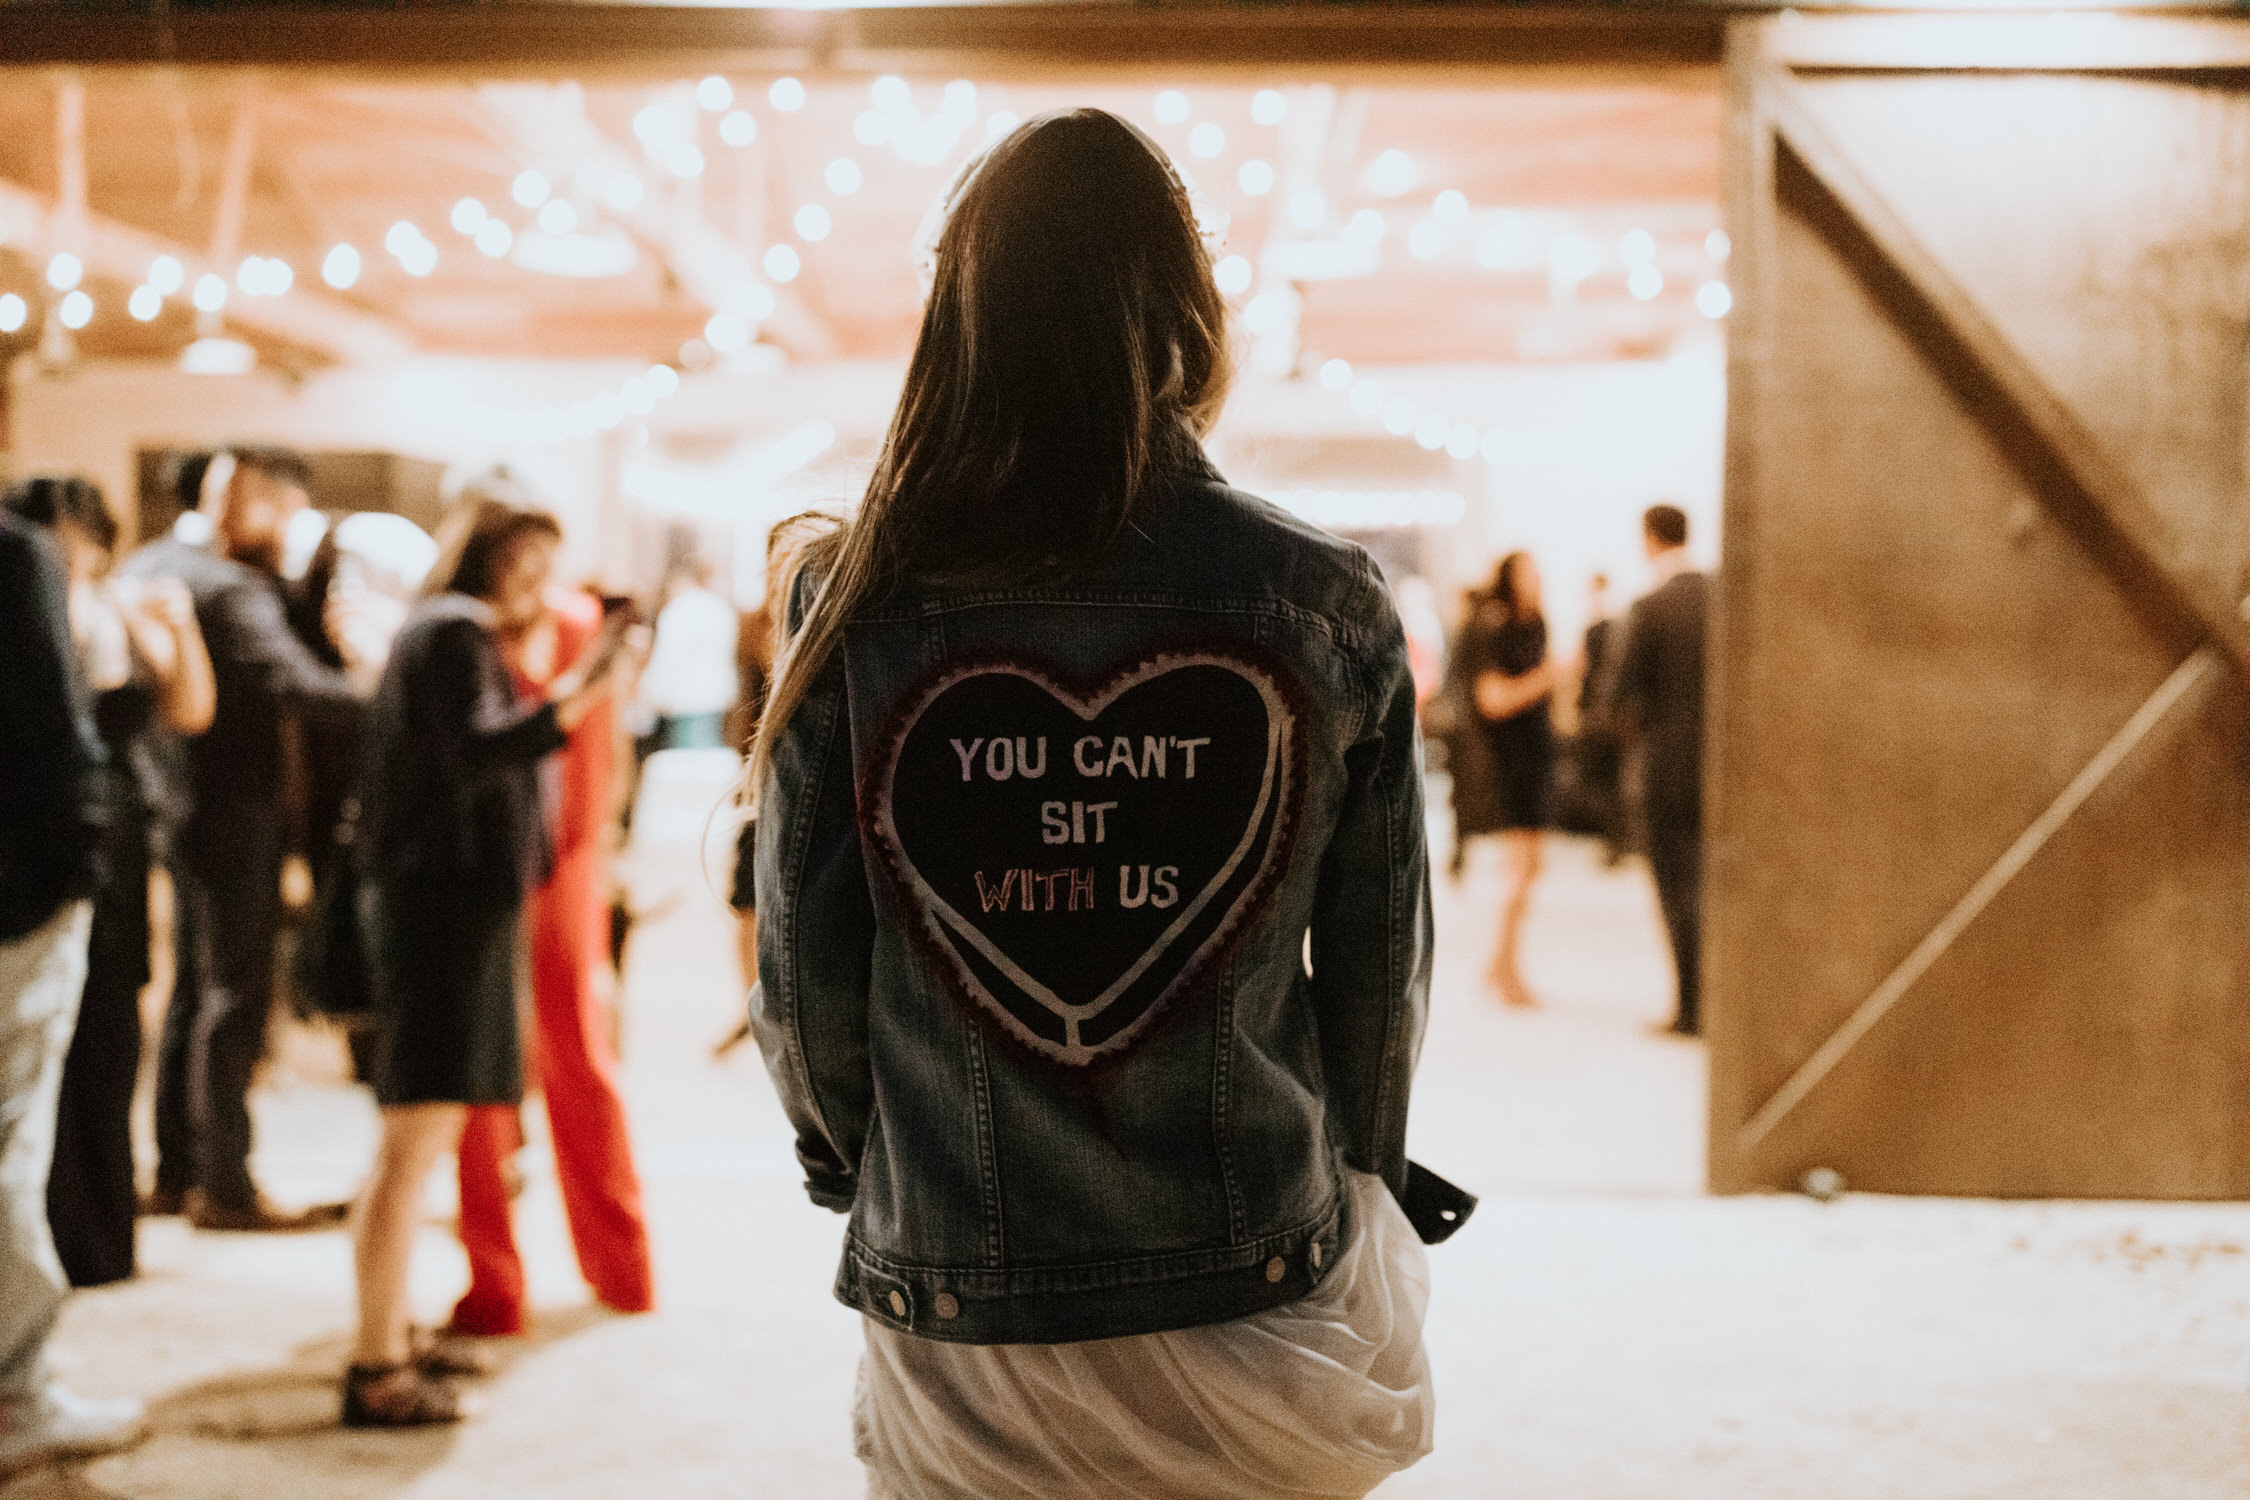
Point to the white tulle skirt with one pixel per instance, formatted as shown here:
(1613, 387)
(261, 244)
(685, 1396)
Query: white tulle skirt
(1326, 1396)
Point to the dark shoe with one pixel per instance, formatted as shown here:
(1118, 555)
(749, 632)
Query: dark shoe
(401, 1395)
(161, 1202)
(261, 1217)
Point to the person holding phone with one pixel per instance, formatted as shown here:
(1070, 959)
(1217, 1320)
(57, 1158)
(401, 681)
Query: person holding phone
(452, 839)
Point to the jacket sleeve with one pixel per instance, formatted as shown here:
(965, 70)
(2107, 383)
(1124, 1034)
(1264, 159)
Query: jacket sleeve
(48, 752)
(489, 731)
(1631, 679)
(246, 624)
(816, 934)
(1370, 980)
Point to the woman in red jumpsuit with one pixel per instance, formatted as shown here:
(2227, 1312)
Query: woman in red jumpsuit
(566, 923)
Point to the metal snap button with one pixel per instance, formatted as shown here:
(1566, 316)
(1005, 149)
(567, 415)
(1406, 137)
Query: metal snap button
(1316, 1255)
(1275, 1269)
(898, 1304)
(947, 1306)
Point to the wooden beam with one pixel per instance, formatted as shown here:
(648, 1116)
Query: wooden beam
(2071, 469)
(2059, 41)
(603, 35)
(120, 252)
(2176, 701)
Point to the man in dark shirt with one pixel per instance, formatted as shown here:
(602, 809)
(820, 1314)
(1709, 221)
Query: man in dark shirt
(1659, 701)
(226, 854)
(49, 829)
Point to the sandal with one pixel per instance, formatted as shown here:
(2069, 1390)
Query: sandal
(400, 1395)
(444, 1353)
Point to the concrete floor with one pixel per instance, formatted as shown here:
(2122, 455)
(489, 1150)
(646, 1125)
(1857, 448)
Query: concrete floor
(1602, 1331)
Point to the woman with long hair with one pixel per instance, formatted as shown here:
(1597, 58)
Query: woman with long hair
(451, 840)
(1505, 656)
(1094, 939)
(144, 659)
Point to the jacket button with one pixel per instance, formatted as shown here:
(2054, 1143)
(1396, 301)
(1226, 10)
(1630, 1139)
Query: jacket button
(898, 1304)
(947, 1307)
(1275, 1269)
(1316, 1255)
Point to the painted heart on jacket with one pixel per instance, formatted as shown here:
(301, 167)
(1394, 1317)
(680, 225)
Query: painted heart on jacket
(1074, 859)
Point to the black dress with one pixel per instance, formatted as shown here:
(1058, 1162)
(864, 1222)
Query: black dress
(91, 1196)
(1521, 747)
(453, 834)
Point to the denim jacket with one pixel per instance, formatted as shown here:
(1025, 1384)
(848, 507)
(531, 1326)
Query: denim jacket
(1094, 930)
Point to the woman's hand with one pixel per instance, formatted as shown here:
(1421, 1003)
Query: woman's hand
(1499, 696)
(160, 614)
(606, 673)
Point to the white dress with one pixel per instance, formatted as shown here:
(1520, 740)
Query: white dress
(1325, 1396)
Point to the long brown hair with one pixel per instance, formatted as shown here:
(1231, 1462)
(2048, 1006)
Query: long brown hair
(477, 540)
(1073, 341)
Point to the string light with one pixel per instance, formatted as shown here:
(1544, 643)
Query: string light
(531, 187)
(781, 263)
(1336, 375)
(738, 128)
(77, 310)
(494, 238)
(340, 270)
(1644, 282)
(624, 192)
(1717, 245)
(1233, 275)
(210, 293)
(65, 271)
(166, 275)
(1713, 299)
(842, 176)
(1391, 175)
(1255, 177)
(786, 95)
(1171, 107)
(812, 222)
(714, 93)
(13, 311)
(1206, 140)
(468, 216)
(1451, 207)
(145, 303)
(1268, 107)
(558, 216)
(1637, 247)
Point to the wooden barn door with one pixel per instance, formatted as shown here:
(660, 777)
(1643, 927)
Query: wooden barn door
(1977, 890)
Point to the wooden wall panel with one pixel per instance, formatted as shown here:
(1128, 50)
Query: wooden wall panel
(2113, 249)
(1921, 642)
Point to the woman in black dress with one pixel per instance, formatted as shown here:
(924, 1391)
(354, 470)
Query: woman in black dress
(1514, 684)
(145, 660)
(452, 837)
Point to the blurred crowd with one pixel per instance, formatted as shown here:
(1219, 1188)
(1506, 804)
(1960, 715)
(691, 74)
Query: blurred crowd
(380, 775)
(1628, 772)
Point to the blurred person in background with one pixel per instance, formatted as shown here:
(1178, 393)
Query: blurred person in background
(1451, 718)
(691, 681)
(226, 857)
(1125, 1212)
(1597, 758)
(452, 839)
(50, 833)
(1658, 701)
(144, 663)
(1513, 688)
(754, 657)
(571, 1060)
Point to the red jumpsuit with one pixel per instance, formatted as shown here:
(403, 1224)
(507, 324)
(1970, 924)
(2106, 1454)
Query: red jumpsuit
(566, 922)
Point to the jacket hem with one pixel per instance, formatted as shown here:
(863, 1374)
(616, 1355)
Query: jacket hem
(1070, 1304)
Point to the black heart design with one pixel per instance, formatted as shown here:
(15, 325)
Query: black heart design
(1074, 859)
